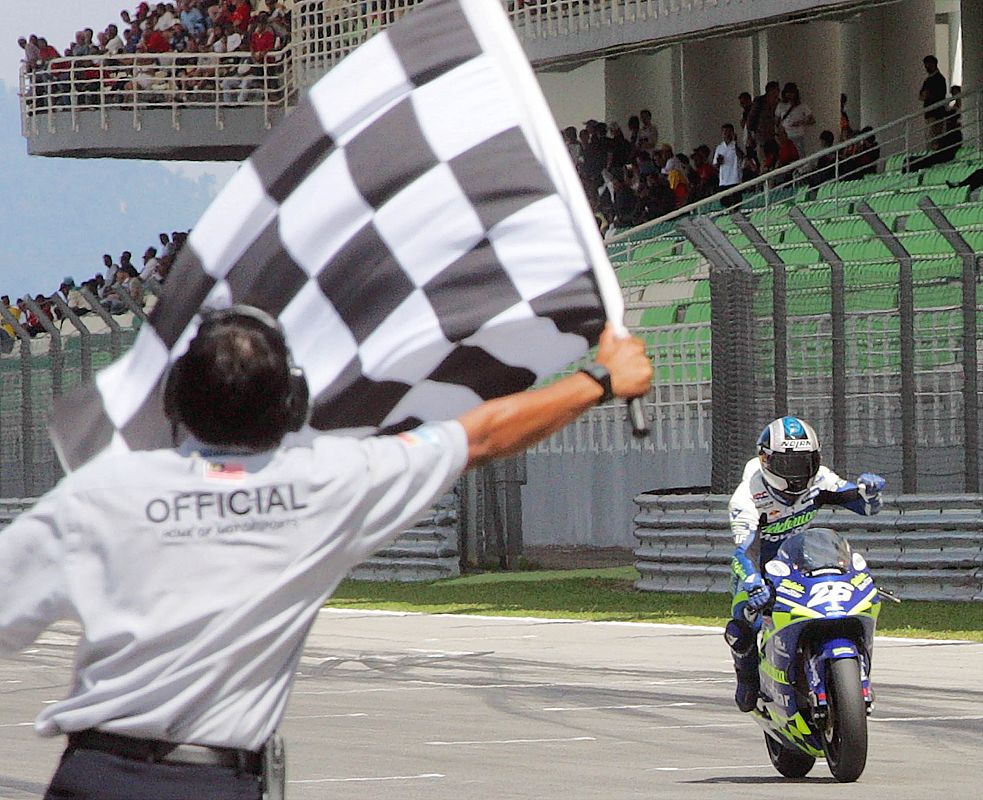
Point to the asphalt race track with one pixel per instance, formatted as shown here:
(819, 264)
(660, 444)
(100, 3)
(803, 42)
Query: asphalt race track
(451, 708)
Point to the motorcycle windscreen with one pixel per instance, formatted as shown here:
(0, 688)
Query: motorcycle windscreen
(816, 549)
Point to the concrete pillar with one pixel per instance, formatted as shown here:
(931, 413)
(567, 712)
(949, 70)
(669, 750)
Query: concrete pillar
(851, 40)
(575, 96)
(971, 18)
(893, 39)
(715, 72)
(644, 80)
(808, 54)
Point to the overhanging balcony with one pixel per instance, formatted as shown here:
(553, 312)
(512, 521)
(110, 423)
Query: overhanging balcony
(220, 107)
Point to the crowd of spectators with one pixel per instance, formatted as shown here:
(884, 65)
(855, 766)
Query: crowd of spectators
(630, 177)
(116, 288)
(177, 34)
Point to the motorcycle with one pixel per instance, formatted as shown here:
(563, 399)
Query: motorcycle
(817, 637)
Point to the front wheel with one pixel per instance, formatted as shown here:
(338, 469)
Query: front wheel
(845, 732)
(789, 761)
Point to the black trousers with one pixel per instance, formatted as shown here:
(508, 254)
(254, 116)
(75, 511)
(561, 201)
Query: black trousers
(95, 775)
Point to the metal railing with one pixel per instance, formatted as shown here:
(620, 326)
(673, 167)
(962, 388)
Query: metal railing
(64, 88)
(923, 548)
(907, 140)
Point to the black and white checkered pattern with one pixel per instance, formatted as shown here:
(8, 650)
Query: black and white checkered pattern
(415, 225)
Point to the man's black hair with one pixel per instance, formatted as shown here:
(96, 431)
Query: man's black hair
(232, 386)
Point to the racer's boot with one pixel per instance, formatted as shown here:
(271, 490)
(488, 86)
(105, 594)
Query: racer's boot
(743, 643)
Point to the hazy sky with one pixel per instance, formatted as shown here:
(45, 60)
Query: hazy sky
(57, 21)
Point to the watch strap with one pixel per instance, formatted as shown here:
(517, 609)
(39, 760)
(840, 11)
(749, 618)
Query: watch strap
(599, 373)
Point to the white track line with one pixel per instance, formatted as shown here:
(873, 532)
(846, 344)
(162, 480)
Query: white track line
(693, 769)
(518, 741)
(922, 719)
(422, 776)
(617, 708)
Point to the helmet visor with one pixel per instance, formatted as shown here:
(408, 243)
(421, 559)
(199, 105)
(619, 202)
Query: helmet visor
(796, 468)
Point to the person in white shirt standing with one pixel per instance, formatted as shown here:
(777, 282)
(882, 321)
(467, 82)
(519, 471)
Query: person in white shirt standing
(727, 159)
(196, 572)
(795, 117)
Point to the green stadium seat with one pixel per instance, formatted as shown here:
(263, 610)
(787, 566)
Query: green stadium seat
(697, 312)
(659, 315)
(701, 290)
(925, 244)
(969, 216)
(798, 255)
(947, 196)
(817, 277)
(942, 268)
(869, 274)
(808, 303)
(825, 209)
(938, 296)
(794, 235)
(870, 250)
(841, 230)
(879, 299)
(937, 176)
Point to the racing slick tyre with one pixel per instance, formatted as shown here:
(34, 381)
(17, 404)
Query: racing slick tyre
(845, 732)
(788, 761)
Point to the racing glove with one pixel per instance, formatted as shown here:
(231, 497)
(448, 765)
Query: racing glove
(870, 487)
(758, 591)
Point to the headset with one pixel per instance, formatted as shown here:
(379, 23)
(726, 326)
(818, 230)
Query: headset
(297, 397)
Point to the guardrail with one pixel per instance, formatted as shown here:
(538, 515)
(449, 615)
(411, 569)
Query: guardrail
(137, 83)
(921, 547)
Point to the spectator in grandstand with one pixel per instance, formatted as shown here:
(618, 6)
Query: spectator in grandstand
(618, 148)
(132, 39)
(113, 45)
(669, 161)
(788, 153)
(32, 52)
(795, 117)
(7, 334)
(127, 284)
(745, 100)
(150, 264)
(761, 117)
(655, 198)
(933, 91)
(165, 17)
(634, 128)
(192, 18)
(825, 169)
(648, 133)
(241, 14)
(727, 160)
(73, 298)
(845, 130)
(29, 319)
(111, 268)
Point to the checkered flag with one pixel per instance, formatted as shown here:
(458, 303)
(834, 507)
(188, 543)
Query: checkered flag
(415, 224)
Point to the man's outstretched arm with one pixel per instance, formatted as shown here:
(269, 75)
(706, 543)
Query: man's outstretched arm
(510, 424)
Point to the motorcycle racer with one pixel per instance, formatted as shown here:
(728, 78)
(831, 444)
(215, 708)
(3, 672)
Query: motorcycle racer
(780, 493)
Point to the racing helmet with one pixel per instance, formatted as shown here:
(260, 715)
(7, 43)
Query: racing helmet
(789, 453)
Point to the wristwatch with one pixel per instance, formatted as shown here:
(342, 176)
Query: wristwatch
(600, 374)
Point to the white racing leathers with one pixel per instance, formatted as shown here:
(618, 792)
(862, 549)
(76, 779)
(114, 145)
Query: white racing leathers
(762, 517)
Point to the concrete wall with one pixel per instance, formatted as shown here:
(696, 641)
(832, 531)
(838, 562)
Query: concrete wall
(873, 56)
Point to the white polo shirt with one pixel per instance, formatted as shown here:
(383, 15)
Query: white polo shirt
(196, 577)
(729, 172)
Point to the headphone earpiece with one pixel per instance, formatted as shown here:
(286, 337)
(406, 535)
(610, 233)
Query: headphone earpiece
(298, 399)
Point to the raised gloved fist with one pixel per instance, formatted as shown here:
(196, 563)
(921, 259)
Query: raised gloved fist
(758, 591)
(812, 493)
(871, 484)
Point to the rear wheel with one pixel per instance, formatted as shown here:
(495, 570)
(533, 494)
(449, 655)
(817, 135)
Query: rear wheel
(789, 761)
(845, 732)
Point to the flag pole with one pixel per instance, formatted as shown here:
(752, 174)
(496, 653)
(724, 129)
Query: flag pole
(492, 27)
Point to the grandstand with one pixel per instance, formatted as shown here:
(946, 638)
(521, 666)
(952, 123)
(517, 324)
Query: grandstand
(831, 333)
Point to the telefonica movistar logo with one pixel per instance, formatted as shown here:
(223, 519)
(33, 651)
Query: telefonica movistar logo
(784, 525)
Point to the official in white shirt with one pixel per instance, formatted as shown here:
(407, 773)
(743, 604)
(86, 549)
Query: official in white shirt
(197, 572)
(727, 159)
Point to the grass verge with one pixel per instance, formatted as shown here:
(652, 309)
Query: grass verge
(609, 594)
